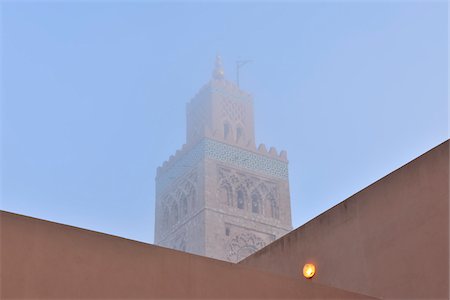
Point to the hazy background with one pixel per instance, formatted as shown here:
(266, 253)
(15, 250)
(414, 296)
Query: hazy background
(93, 97)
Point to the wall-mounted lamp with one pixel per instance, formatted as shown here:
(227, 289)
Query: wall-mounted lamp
(309, 270)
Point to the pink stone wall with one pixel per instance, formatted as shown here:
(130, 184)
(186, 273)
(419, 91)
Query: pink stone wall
(44, 260)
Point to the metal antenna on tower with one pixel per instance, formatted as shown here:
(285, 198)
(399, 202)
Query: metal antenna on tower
(240, 64)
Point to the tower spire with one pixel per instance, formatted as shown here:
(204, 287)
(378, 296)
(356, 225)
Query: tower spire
(218, 69)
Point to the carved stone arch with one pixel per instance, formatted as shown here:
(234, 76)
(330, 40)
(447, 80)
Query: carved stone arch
(188, 185)
(256, 202)
(223, 174)
(165, 218)
(234, 180)
(263, 189)
(191, 195)
(272, 202)
(183, 204)
(178, 193)
(192, 198)
(243, 245)
(250, 182)
(174, 214)
(225, 192)
(274, 191)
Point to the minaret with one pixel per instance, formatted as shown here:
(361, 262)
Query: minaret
(219, 195)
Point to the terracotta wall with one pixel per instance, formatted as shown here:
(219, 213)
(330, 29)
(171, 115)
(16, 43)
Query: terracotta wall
(44, 260)
(390, 240)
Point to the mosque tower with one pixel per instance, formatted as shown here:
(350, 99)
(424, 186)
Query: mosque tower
(220, 196)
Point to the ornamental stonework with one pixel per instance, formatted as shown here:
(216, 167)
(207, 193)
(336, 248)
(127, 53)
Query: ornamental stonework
(247, 192)
(233, 110)
(243, 245)
(178, 203)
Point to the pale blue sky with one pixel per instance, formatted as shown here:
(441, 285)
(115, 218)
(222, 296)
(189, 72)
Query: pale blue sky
(93, 97)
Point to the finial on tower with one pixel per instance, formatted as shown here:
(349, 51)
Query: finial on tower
(218, 69)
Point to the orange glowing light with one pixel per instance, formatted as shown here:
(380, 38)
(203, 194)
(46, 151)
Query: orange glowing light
(309, 270)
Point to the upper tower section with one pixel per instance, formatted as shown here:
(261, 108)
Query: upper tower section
(221, 111)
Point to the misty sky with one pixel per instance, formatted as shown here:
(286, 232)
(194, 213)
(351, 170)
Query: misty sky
(94, 93)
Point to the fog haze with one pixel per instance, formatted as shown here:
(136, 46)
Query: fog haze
(94, 97)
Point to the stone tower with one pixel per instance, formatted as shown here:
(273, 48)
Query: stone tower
(219, 195)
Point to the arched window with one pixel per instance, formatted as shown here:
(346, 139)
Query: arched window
(273, 206)
(226, 130)
(239, 133)
(165, 220)
(190, 195)
(240, 199)
(225, 194)
(174, 214)
(256, 206)
(192, 198)
(275, 211)
(184, 205)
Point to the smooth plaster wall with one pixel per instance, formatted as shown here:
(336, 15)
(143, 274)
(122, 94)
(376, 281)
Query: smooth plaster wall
(390, 240)
(40, 259)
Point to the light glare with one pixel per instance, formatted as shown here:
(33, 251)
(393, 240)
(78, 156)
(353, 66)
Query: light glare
(309, 270)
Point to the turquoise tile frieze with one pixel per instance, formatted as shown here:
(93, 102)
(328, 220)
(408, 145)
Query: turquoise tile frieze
(245, 159)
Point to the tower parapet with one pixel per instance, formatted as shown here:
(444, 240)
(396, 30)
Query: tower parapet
(262, 150)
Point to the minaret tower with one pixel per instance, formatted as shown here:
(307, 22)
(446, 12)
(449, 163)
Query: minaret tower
(219, 195)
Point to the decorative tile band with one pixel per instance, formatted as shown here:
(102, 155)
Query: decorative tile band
(245, 159)
(224, 153)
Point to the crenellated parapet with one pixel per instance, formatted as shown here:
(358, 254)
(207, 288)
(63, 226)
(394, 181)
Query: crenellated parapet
(262, 149)
(180, 153)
